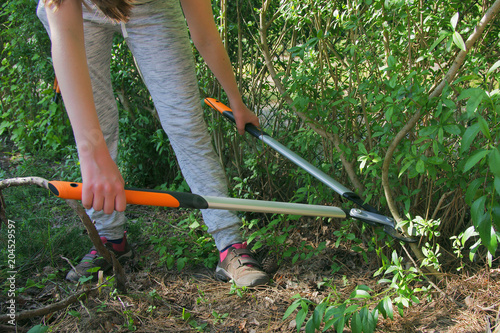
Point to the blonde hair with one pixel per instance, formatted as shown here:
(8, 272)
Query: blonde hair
(118, 10)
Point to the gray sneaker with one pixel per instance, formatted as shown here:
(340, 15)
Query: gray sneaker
(242, 268)
(122, 251)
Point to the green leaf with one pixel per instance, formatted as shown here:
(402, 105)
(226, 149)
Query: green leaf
(477, 211)
(470, 194)
(74, 313)
(317, 316)
(475, 96)
(39, 329)
(84, 279)
(470, 232)
(439, 40)
(334, 311)
(340, 324)
(360, 294)
(452, 129)
(496, 182)
(372, 320)
(494, 161)
(356, 326)
(483, 125)
(310, 326)
(494, 67)
(454, 20)
(475, 158)
(435, 160)
(301, 316)
(391, 61)
(364, 287)
(469, 137)
(457, 39)
(290, 309)
(487, 233)
(420, 167)
(405, 167)
(387, 304)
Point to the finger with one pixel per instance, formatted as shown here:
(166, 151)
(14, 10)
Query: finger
(110, 194)
(109, 205)
(98, 201)
(256, 122)
(120, 202)
(241, 129)
(87, 198)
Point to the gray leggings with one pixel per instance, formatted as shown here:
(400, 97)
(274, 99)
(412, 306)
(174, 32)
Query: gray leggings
(157, 37)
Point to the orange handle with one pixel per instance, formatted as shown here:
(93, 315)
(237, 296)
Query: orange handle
(228, 113)
(215, 104)
(71, 190)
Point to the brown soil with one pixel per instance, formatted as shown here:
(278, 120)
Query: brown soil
(190, 300)
(159, 300)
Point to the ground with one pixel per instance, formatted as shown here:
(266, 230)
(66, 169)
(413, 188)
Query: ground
(188, 298)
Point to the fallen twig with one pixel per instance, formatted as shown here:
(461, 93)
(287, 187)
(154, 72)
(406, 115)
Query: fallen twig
(49, 308)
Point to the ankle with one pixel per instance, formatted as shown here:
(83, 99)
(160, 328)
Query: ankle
(225, 251)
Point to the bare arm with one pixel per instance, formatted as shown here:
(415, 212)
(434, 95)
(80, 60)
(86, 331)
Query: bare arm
(206, 38)
(102, 181)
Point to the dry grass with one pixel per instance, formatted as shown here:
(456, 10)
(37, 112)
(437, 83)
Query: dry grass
(159, 300)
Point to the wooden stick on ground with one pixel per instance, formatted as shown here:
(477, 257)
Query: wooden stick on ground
(49, 308)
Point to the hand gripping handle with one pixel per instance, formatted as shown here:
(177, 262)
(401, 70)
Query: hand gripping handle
(228, 113)
(72, 190)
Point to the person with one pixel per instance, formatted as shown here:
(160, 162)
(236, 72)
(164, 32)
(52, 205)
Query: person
(156, 33)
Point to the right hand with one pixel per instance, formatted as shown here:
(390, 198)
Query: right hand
(103, 184)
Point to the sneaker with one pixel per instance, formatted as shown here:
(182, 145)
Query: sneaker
(239, 266)
(122, 251)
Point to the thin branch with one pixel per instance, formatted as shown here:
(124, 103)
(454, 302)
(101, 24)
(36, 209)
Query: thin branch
(101, 249)
(348, 166)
